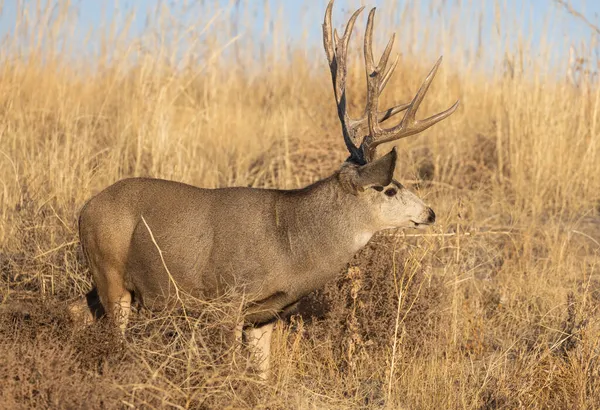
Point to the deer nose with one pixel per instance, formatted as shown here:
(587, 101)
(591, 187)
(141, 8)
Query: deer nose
(430, 216)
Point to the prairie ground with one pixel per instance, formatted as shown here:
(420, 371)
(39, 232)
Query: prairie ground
(497, 306)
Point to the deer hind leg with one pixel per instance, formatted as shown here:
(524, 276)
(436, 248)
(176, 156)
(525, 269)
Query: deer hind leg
(114, 296)
(119, 305)
(259, 339)
(85, 309)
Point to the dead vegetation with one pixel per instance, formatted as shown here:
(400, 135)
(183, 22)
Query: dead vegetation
(495, 307)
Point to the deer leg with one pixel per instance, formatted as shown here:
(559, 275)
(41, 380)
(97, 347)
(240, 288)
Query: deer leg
(85, 309)
(121, 307)
(239, 334)
(80, 313)
(114, 297)
(238, 340)
(259, 339)
(116, 300)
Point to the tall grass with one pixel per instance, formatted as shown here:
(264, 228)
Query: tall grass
(497, 306)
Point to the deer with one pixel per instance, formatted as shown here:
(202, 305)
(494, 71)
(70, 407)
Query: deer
(149, 237)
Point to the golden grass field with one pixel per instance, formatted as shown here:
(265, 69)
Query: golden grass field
(497, 306)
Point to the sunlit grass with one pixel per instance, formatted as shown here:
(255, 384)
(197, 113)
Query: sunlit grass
(500, 299)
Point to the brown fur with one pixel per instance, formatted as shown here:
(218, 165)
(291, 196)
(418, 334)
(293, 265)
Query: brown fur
(273, 246)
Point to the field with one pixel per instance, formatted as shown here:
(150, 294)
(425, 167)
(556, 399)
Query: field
(496, 306)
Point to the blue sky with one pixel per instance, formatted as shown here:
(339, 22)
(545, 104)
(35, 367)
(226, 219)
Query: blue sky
(544, 20)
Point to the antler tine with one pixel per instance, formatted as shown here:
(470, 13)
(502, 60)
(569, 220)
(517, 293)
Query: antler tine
(374, 81)
(327, 35)
(390, 112)
(409, 125)
(336, 50)
(369, 61)
(388, 74)
(336, 38)
(373, 71)
(409, 116)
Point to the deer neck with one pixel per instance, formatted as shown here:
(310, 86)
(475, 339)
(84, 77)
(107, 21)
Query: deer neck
(325, 221)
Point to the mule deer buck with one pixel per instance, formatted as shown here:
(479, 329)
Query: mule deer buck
(150, 236)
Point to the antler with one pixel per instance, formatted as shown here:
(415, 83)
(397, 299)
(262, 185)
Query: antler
(362, 147)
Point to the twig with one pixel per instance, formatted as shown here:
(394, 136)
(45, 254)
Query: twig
(55, 249)
(162, 259)
(578, 15)
(394, 346)
(425, 183)
(439, 235)
(172, 280)
(587, 236)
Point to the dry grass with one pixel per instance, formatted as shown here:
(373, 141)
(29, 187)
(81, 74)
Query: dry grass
(495, 307)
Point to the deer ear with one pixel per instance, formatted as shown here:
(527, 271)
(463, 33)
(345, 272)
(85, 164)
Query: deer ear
(377, 173)
(356, 179)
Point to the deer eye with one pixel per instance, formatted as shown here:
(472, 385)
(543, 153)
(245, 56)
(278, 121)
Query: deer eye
(391, 191)
(378, 188)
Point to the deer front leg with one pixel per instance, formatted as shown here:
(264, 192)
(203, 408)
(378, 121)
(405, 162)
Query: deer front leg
(259, 338)
(238, 334)
(238, 341)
